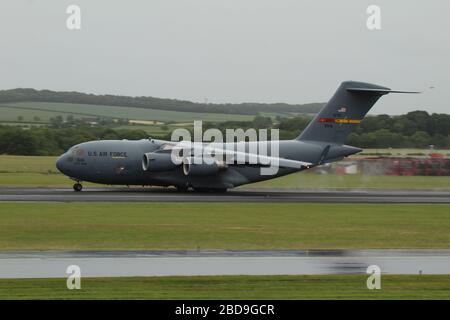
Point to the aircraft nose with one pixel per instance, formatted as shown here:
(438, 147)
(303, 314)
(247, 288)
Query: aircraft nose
(60, 163)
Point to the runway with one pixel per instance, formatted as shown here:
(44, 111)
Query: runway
(236, 195)
(193, 263)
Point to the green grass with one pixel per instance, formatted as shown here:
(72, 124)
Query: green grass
(47, 110)
(314, 181)
(232, 287)
(31, 171)
(27, 164)
(28, 171)
(24, 124)
(401, 152)
(10, 114)
(38, 180)
(155, 130)
(90, 226)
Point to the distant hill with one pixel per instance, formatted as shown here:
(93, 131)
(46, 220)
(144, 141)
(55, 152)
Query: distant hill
(32, 95)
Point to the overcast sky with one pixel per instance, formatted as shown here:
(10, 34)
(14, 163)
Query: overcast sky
(291, 51)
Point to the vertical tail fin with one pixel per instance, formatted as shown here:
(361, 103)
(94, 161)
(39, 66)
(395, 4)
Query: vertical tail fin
(345, 110)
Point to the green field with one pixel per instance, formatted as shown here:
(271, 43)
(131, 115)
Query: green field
(297, 180)
(38, 180)
(401, 152)
(27, 164)
(156, 130)
(47, 110)
(232, 287)
(27, 171)
(308, 180)
(91, 226)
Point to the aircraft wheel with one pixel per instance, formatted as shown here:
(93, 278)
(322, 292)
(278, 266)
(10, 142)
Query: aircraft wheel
(77, 187)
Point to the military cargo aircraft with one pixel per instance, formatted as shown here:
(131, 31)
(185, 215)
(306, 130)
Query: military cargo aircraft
(150, 161)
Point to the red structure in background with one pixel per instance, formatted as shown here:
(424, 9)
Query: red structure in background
(432, 166)
(404, 166)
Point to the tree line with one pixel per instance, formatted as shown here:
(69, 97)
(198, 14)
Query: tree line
(32, 95)
(55, 141)
(416, 129)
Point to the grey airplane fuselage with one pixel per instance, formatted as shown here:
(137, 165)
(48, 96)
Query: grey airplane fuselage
(128, 162)
(119, 162)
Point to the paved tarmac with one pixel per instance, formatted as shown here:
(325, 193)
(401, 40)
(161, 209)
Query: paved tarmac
(50, 264)
(236, 195)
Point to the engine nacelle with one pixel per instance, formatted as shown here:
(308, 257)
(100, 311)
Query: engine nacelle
(201, 167)
(156, 162)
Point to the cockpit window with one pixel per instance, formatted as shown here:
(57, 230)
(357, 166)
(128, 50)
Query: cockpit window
(77, 151)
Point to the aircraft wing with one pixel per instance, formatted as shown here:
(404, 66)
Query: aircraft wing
(233, 157)
(251, 158)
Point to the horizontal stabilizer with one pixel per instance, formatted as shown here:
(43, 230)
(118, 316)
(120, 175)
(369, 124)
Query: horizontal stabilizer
(378, 91)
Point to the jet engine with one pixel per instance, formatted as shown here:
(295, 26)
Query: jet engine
(157, 161)
(201, 167)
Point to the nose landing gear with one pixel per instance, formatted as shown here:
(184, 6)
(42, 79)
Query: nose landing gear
(77, 187)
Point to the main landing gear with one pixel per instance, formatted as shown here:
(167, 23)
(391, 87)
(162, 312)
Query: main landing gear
(77, 187)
